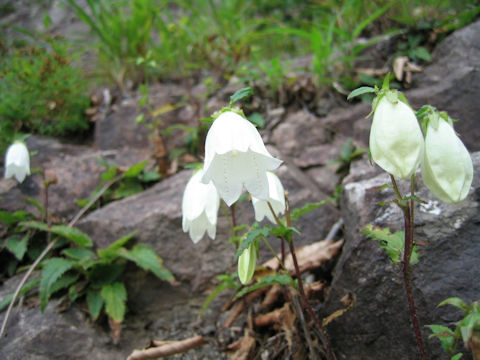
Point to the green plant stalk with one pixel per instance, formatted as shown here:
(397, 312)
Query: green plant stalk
(409, 221)
(49, 247)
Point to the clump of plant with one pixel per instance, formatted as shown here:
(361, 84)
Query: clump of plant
(467, 329)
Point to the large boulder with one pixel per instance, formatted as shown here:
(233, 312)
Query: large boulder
(378, 327)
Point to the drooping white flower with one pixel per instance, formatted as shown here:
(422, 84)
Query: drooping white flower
(276, 197)
(396, 141)
(447, 168)
(236, 157)
(200, 208)
(247, 263)
(17, 161)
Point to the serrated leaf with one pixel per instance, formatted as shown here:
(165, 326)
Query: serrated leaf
(79, 253)
(10, 219)
(241, 94)
(252, 236)
(63, 282)
(445, 335)
(51, 272)
(422, 53)
(117, 244)
(127, 188)
(115, 297)
(72, 234)
(146, 258)
(297, 212)
(17, 246)
(455, 301)
(110, 173)
(25, 288)
(95, 303)
(457, 356)
(285, 231)
(360, 91)
(135, 170)
(281, 279)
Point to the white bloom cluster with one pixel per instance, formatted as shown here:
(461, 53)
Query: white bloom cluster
(235, 159)
(398, 146)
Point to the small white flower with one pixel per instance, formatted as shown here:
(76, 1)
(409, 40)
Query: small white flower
(447, 168)
(200, 208)
(396, 141)
(17, 161)
(236, 157)
(247, 263)
(276, 196)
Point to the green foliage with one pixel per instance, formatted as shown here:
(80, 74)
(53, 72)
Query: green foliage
(51, 272)
(392, 243)
(227, 281)
(252, 236)
(115, 298)
(465, 329)
(308, 207)
(40, 92)
(269, 280)
(348, 153)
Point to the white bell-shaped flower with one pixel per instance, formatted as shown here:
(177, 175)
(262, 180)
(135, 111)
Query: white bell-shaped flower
(276, 197)
(200, 208)
(247, 263)
(447, 168)
(17, 161)
(236, 157)
(396, 141)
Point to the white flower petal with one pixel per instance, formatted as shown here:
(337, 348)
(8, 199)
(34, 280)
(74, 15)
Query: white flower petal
(235, 157)
(200, 205)
(447, 168)
(276, 197)
(17, 162)
(396, 141)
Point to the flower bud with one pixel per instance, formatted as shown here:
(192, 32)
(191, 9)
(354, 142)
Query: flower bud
(396, 141)
(447, 168)
(17, 161)
(247, 263)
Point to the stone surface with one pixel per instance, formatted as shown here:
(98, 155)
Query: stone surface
(77, 171)
(452, 82)
(378, 327)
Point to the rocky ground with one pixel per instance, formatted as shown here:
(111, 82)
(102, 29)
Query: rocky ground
(376, 328)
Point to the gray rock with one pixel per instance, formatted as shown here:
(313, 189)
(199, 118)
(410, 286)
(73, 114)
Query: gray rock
(452, 82)
(379, 326)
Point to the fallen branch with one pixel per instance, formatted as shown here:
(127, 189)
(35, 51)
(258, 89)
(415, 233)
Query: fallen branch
(168, 348)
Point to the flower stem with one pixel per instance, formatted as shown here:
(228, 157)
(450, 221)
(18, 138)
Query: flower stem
(409, 221)
(306, 303)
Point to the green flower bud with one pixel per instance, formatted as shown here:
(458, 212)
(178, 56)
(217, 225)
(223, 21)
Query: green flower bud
(396, 141)
(247, 263)
(447, 168)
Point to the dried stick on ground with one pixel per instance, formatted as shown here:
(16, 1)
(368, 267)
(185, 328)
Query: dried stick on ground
(168, 348)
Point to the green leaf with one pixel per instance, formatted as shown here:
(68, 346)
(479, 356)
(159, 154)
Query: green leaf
(34, 225)
(227, 282)
(445, 335)
(94, 302)
(115, 296)
(392, 243)
(135, 170)
(10, 219)
(26, 288)
(457, 356)
(37, 204)
(149, 176)
(422, 53)
(102, 274)
(251, 236)
(72, 234)
(51, 272)
(467, 325)
(455, 301)
(257, 120)
(17, 246)
(241, 94)
(146, 258)
(79, 253)
(127, 188)
(110, 173)
(285, 231)
(281, 279)
(117, 244)
(63, 282)
(297, 212)
(360, 91)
